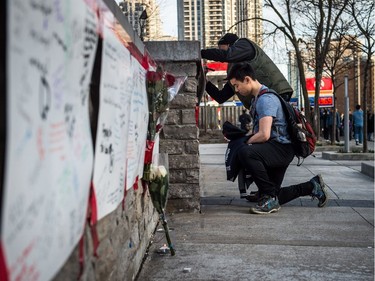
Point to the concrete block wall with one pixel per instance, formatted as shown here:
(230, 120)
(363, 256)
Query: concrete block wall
(179, 137)
(124, 236)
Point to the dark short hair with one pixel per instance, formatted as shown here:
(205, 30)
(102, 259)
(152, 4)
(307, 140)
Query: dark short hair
(240, 70)
(357, 106)
(228, 39)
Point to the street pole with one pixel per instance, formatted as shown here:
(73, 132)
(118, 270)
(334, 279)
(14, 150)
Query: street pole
(346, 119)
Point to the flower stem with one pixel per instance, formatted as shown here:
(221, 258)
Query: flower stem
(166, 230)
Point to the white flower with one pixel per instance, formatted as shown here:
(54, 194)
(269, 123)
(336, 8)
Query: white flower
(157, 172)
(153, 172)
(162, 172)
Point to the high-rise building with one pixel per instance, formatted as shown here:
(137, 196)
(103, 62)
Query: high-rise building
(248, 23)
(208, 20)
(144, 16)
(218, 17)
(189, 15)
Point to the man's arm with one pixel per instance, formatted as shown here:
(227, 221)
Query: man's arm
(240, 51)
(264, 132)
(220, 95)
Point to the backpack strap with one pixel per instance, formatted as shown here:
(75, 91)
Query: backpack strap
(290, 116)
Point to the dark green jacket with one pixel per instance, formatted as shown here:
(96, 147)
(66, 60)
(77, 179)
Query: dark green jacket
(266, 71)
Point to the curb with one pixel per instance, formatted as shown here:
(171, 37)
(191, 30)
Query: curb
(329, 155)
(367, 169)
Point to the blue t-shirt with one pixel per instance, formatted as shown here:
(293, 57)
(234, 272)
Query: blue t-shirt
(358, 118)
(269, 105)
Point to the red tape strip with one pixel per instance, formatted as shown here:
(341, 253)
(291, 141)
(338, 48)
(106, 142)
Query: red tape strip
(4, 275)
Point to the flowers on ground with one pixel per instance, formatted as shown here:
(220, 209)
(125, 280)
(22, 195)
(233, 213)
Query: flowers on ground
(155, 177)
(158, 187)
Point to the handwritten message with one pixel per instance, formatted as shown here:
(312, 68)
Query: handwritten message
(51, 49)
(137, 130)
(111, 140)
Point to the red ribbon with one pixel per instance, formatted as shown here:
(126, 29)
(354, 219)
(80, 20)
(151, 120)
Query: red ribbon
(3, 266)
(135, 185)
(94, 219)
(149, 149)
(158, 128)
(123, 199)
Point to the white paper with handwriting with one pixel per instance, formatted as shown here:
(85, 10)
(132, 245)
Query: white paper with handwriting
(49, 160)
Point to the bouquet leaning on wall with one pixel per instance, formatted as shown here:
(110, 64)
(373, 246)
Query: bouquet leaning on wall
(161, 89)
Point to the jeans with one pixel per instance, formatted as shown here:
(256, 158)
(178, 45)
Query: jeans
(267, 164)
(358, 133)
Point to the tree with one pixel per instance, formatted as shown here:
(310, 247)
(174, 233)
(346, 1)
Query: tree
(336, 62)
(322, 18)
(308, 21)
(363, 12)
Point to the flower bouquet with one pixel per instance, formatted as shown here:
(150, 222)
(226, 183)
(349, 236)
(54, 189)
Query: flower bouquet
(157, 83)
(161, 89)
(158, 188)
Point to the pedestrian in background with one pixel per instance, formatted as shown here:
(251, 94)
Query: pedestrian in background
(358, 124)
(351, 130)
(370, 126)
(333, 133)
(245, 120)
(324, 125)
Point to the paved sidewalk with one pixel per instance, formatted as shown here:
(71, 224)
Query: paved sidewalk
(300, 242)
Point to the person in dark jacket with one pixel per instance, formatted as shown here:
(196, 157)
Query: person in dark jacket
(370, 126)
(245, 120)
(232, 49)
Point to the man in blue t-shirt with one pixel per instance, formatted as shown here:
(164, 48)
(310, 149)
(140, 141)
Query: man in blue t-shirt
(269, 150)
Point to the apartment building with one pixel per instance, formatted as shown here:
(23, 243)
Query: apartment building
(253, 29)
(189, 19)
(144, 16)
(208, 20)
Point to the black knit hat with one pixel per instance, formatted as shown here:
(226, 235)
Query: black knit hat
(228, 38)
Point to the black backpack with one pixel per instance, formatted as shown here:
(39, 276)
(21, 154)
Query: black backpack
(300, 130)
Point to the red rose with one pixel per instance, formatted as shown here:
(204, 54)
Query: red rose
(153, 76)
(169, 79)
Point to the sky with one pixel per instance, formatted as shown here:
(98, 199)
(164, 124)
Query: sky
(168, 15)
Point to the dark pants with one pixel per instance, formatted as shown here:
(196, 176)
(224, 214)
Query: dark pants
(267, 163)
(292, 192)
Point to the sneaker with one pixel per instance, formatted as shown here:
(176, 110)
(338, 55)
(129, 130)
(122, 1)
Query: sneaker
(266, 205)
(319, 191)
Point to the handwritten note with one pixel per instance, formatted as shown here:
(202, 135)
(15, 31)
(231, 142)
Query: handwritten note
(137, 129)
(51, 49)
(111, 140)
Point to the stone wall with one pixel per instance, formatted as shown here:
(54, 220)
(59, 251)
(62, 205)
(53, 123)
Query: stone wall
(179, 137)
(124, 236)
